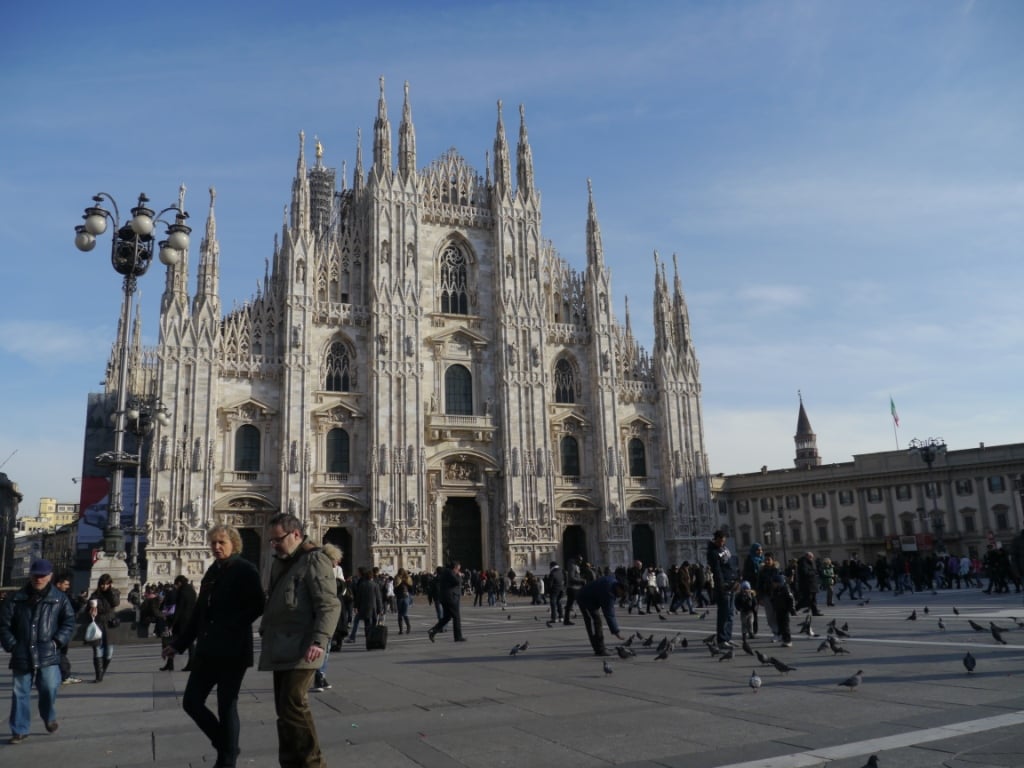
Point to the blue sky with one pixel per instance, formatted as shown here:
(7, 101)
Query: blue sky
(843, 184)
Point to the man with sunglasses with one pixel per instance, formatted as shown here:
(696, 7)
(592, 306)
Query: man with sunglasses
(299, 618)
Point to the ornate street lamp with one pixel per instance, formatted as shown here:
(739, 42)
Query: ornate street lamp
(131, 254)
(929, 450)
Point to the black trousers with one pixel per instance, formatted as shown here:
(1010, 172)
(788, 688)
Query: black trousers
(223, 728)
(594, 623)
(451, 613)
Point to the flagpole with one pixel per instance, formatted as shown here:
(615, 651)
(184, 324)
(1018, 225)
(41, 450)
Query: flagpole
(896, 435)
(895, 421)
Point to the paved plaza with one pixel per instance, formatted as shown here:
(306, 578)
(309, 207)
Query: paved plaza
(472, 705)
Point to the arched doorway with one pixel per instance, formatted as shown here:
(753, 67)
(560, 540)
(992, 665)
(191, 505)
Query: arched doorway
(251, 545)
(574, 543)
(342, 539)
(644, 549)
(461, 532)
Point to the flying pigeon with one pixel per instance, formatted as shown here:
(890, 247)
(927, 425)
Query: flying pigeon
(607, 668)
(997, 633)
(853, 681)
(969, 663)
(780, 665)
(755, 680)
(975, 626)
(913, 615)
(942, 624)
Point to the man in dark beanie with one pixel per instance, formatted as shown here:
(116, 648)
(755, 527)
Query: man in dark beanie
(35, 623)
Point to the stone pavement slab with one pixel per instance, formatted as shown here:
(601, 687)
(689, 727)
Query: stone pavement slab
(472, 705)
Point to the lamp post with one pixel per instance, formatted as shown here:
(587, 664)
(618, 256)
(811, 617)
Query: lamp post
(929, 450)
(143, 414)
(131, 254)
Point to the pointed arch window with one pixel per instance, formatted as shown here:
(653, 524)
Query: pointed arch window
(569, 451)
(338, 368)
(247, 449)
(458, 391)
(565, 382)
(637, 458)
(338, 455)
(454, 282)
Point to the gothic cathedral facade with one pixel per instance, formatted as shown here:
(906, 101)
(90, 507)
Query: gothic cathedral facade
(422, 378)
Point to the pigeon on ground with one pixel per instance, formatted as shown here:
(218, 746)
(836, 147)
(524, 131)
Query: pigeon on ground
(710, 639)
(853, 681)
(508, 616)
(727, 655)
(524, 645)
(975, 626)
(805, 627)
(536, 618)
(1018, 622)
(638, 636)
(628, 642)
(515, 650)
(608, 668)
(942, 624)
(913, 615)
(969, 663)
(684, 643)
(663, 644)
(926, 610)
(648, 642)
(746, 647)
(703, 615)
(624, 653)
(824, 644)
(845, 627)
(872, 762)
(836, 646)
(548, 624)
(840, 632)
(997, 633)
(761, 657)
(662, 617)
(713, 650)
(663, 654)
(782, 666)
(1001, 629)
(755, 680)
(956, 611)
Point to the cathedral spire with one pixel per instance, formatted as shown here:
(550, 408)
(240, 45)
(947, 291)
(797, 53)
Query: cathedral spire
(502, 165)
(680, 314)
(381, 136)
(406, 140)
(524, 159)
(595, 250)
(805, 439)
(209, 265)
(357, 177)
(176, 286)
(300, 189)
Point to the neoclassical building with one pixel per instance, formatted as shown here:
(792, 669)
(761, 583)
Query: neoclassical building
(421, 377)
(877, 503)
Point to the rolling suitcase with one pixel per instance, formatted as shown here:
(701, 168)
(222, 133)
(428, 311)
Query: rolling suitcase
(377, 638)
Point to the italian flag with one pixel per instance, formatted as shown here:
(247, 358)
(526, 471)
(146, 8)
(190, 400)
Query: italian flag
(892, 409)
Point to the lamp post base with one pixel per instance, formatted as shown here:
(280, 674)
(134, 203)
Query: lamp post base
(117, 567)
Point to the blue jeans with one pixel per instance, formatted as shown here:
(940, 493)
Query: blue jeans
(47, 680)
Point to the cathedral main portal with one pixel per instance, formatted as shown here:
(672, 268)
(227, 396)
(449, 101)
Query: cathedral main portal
(461, 533)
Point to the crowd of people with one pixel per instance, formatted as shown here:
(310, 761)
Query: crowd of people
(311, 608)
